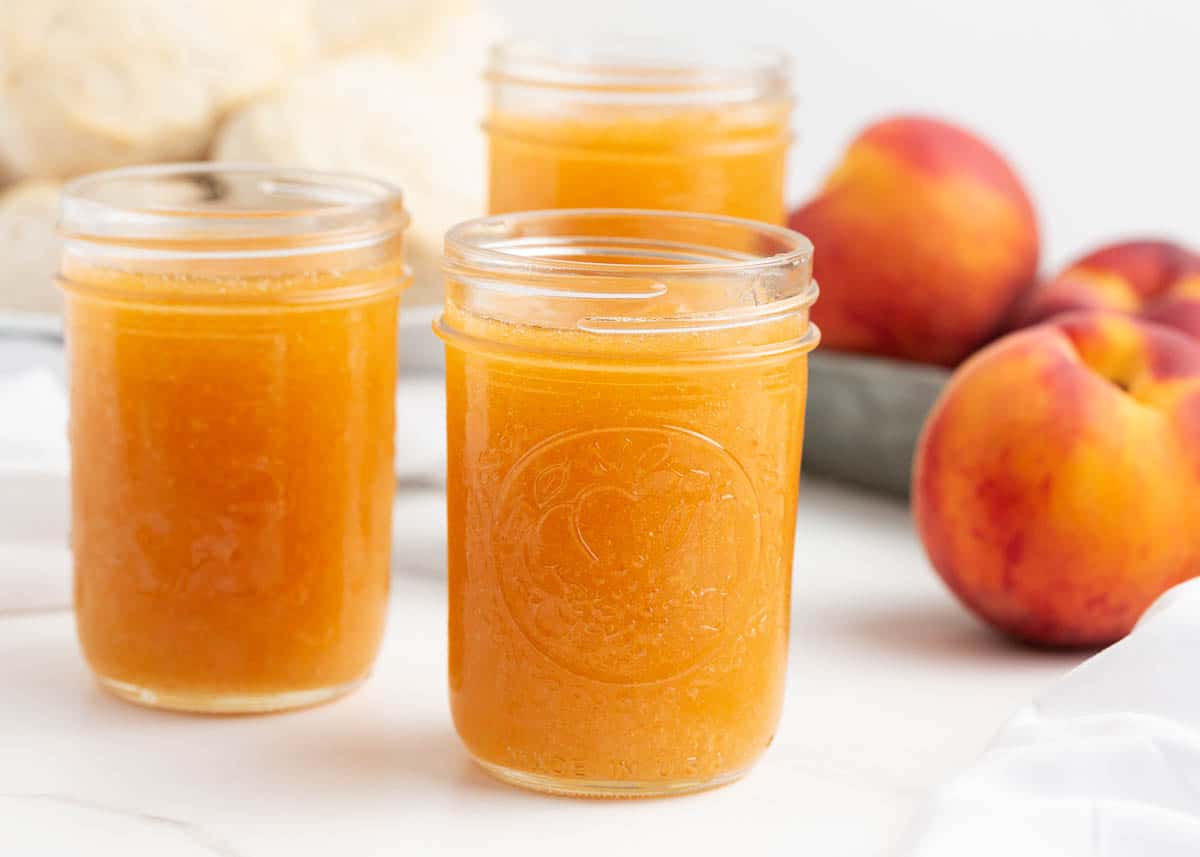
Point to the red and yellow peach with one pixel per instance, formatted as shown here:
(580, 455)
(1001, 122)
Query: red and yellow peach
(1156, 280)
(1056, 485)
(925, 241)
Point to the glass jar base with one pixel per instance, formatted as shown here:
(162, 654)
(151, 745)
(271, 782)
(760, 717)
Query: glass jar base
(221, 703)
(574, 787)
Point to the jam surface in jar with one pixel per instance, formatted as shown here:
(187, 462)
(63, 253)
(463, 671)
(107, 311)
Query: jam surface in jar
(718, 160)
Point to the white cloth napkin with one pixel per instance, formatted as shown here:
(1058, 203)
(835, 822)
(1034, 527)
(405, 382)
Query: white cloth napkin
(34, 477)
(1104, 764)
(421, 431)
(34, 562)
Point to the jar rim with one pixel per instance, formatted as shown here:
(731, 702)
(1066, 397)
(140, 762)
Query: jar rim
(604, 272)
(508, 243)
(644, 69)
(230, 210)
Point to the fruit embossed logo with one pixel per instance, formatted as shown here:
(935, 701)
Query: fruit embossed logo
(621, 552)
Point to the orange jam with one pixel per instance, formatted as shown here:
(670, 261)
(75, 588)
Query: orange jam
(628, 134)
(232, 397)
(624, 433)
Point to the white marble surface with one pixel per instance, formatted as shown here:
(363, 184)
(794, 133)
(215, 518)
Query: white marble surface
(892, 689)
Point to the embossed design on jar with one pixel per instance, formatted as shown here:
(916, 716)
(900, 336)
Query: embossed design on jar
(621, 552)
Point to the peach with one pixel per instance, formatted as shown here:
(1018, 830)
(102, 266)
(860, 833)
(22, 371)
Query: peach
(925, 240)
(1056, 485)
(1157, 280)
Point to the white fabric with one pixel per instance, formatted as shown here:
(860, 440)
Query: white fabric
(1104, 764)
(421, 431)
(34, 564)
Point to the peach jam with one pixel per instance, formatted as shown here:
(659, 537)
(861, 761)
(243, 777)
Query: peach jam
(625, 395)
(231, 335)
(609, 126)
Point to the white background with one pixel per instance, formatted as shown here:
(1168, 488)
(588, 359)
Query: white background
(1094, 102)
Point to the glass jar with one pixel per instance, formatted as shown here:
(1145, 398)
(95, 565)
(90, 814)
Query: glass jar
(231, 343)
(638, 126)
(625, 404)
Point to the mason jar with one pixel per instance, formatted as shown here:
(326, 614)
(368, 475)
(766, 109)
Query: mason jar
(231, 341)
(625, 409)
(639, 126)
